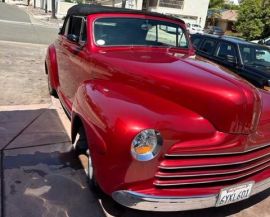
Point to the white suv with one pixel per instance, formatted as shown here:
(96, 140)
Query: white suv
(194, 28)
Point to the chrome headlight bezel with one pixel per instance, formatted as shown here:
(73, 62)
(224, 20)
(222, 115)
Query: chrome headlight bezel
(150, 139)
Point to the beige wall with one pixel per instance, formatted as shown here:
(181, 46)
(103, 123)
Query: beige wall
(133, 4)
(62, 8)
(194, 11)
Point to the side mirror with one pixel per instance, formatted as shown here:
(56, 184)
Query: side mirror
(261, 41)
(231, 59)
(60, 31)
(73, 38)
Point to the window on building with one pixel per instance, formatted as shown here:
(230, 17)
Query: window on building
(172, 4)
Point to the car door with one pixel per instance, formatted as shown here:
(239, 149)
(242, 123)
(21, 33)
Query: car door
(196, 41)
(61, 56)
(226, 55)
(207, 48)
(73, 54)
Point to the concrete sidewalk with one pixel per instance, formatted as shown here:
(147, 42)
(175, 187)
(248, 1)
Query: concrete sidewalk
(40, 173)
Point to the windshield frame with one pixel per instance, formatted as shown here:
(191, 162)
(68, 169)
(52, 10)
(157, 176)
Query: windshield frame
(143, 17)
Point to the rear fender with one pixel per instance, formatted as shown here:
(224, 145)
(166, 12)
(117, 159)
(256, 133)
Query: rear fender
(51, 66)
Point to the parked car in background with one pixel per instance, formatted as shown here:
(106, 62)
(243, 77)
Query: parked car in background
(265, 41)
(215, 30)
(162, 130)
(194, 28)
(249, 60)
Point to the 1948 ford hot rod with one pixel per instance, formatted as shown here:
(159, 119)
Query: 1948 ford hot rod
(163, 130)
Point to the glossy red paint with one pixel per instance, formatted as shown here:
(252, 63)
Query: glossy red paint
(51, 65)
(197, 107)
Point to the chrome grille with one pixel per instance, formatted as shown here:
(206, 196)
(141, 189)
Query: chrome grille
(213, 169)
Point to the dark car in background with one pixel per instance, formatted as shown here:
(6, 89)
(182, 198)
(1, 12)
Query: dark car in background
(249, 60)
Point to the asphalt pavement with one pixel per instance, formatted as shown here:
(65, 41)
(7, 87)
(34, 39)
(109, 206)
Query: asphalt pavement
(13, 13)
(16, 25)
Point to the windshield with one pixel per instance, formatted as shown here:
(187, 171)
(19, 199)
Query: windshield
(138, 32)
(255, 56)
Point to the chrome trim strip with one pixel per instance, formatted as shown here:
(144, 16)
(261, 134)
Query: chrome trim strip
(214, 174)
(214, 165)
(212, 181)
(218, 154)
(139, 201)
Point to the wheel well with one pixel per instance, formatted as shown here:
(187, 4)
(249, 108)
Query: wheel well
(78, 136)
(76, 125)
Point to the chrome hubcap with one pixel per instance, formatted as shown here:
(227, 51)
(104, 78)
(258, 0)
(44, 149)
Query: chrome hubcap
(90, 166)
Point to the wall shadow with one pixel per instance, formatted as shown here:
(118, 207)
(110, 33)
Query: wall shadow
(41, 175)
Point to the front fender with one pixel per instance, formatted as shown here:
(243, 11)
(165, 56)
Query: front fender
(114, 113)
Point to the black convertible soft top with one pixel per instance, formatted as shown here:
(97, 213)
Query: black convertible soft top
(87, 9)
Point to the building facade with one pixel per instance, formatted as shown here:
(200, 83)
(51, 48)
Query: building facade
(191, 11)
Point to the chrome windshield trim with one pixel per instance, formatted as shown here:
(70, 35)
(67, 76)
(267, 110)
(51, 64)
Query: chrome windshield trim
(139, 201)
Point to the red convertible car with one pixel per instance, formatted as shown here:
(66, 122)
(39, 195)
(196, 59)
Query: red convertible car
(163, 130)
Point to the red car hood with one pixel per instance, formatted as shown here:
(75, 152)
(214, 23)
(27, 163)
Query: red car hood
(231, 104)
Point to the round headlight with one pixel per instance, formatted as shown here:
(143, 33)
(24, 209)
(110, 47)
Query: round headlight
(146, 145)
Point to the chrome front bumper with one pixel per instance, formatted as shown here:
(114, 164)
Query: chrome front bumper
(155, 203)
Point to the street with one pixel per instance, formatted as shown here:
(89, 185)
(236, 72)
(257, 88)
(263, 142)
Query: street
(41, 175)
(16, 25)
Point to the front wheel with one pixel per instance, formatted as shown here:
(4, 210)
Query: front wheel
(81, 147)
(90, 172)
(52, 91)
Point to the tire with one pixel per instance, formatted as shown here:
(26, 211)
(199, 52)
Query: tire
(81, 147)
(90, 173)
(52, 91)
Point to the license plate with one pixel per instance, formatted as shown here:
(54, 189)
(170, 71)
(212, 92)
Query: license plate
(234, 193)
